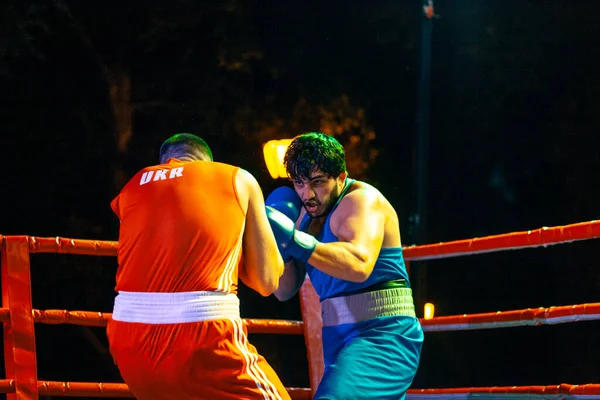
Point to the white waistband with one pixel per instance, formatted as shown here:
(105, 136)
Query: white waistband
(175, 308)
(364, 306)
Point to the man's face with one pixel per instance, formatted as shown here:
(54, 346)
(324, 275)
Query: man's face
(319, 192)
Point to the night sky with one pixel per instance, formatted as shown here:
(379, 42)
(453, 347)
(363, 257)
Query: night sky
(514, 116)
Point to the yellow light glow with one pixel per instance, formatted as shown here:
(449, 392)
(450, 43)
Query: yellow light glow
(274, 151)
(429, 311)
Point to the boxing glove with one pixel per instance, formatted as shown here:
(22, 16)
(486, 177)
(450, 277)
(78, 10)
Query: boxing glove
(285, 200)
(291, 242)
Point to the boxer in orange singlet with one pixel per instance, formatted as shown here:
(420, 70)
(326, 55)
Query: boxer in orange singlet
(186, 225)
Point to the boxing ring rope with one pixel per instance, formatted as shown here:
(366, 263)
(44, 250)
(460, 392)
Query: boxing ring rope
(18, 317)
(544, 236)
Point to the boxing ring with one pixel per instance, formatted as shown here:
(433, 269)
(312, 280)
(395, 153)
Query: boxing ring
(18, 317)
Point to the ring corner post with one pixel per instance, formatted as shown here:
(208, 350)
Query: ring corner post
(311, 317)
(20, 358)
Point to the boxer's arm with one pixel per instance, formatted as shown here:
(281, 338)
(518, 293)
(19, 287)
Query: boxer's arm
(292, 279)
(243, 276)
(263, 264)
(358, 222)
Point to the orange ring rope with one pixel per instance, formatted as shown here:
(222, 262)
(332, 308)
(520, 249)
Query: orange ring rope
(72, 246)
(563, 391)
(509, 319)
(100, 319)
(500, 319)
(112, 390)
(509, 241)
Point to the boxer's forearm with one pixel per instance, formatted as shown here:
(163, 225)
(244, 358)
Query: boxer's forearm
(343, 260)
(291, 280)
(257, 282)
(243, 276)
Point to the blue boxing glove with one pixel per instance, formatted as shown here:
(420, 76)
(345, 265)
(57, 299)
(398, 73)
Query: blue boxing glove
(285, 200)
(291, 242)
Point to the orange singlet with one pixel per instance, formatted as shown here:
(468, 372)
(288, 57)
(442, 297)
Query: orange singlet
(176, 331)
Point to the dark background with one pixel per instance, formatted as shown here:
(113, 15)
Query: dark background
(89, 90)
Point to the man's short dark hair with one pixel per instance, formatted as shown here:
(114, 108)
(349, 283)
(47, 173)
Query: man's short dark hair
(314, 150)
(185, 144)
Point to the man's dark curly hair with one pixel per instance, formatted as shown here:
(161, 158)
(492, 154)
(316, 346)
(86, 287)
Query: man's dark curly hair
(314, 150)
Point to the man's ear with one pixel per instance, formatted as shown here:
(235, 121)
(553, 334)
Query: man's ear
(342, 177)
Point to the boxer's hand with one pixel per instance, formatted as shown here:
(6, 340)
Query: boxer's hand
(290, 241)
(285, 200)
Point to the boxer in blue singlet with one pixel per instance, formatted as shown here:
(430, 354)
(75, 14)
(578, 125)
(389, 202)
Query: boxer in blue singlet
(346, 236)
